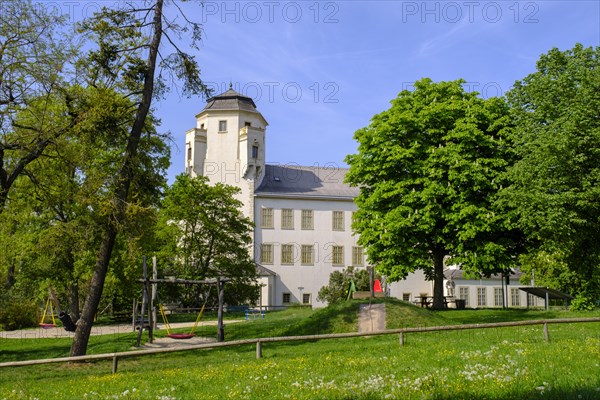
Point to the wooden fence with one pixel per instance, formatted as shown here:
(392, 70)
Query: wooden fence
(260, 341)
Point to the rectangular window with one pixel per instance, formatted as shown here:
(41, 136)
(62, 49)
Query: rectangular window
(481, 297)
(266, 218)
(406, 296)
(222, 126)
(287, 254)
(247, 123)
(358, 258)
(498, 297)
(463, 294)
(515, 297)
(531, 300)
(266, 253)
(306, 298)
(189, 153)
(307, 254)
(307, 219)
(254, 151)
(338, 221)
(286, 298)
(337, 255)
(287, 218)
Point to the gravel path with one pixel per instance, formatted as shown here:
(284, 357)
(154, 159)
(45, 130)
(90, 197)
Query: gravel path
(59, 332)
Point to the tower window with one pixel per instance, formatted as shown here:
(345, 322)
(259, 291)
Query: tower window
(254, 151)
(247, 123)
(189, 155)
(222, 126)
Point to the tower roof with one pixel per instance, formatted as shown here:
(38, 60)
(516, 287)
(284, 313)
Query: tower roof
(230, 100)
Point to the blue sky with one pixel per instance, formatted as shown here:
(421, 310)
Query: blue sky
(320, 70)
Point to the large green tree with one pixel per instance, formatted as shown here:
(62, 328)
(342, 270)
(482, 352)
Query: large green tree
(35, 64)
(205, 235)
(428, 169)
(555, 182)
(128, 56)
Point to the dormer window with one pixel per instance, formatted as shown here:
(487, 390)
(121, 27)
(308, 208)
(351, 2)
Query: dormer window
(222, 126)
(254, 151)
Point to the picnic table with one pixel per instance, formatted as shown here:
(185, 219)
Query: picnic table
(426, 301)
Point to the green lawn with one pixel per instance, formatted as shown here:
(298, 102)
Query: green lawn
(503, 363)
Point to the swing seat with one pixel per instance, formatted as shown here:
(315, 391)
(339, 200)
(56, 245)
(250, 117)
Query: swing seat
(181, 335)
(47, 326)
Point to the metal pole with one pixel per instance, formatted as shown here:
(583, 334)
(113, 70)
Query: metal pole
(220, 329)
(154, 292)
(372, 281)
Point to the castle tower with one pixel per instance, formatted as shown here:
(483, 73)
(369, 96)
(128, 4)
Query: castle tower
(228, 145)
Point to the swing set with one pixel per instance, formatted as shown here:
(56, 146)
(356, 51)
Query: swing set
(180, 335)
(150, 293)
(52, 304)
(48, 325)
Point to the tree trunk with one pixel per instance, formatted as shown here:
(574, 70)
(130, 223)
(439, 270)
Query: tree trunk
(438, 279)
(90, 307)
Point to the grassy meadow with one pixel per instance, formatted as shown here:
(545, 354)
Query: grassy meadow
(503, 363)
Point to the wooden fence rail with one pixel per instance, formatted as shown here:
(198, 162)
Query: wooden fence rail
(259, 342)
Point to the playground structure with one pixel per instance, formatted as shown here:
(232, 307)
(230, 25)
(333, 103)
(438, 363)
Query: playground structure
(52, 304)
(146, 318)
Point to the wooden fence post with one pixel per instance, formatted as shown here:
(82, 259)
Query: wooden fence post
(258, 349)
(401, 338)
(546, 334)
(115, 364)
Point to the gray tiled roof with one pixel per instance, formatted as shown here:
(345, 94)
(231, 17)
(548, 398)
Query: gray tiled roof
(298, 181)
(451, 273)
(262, 271)
(231, 100)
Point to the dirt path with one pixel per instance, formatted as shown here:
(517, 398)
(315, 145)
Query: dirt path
(371, 318)
(59, 332)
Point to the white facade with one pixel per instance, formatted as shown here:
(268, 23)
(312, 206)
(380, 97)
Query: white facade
(302, 215)
(303, 275)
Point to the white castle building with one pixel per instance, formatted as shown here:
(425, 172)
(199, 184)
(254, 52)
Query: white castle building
(302, 215)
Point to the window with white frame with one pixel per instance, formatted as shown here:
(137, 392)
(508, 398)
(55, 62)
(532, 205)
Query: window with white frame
(463, 294)
(286, 298)
(307, 220)
(337, 255)
(307, 252)
(266, 253)
(406, 296)
(498, 297)
(287, 254)
(481, 297)
(338, 221)
(515, 297)
(287, 218)
(530, 299)
(358, 257)
(306, 298)
(266, 218)
(223, 126)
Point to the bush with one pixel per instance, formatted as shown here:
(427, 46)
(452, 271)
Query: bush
(18, 314)
(582, 303)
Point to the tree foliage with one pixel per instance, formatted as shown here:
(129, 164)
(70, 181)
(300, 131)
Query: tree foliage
(339, 283)
(555, 182)
(428, 169)
(205, 235)
(35, 61)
